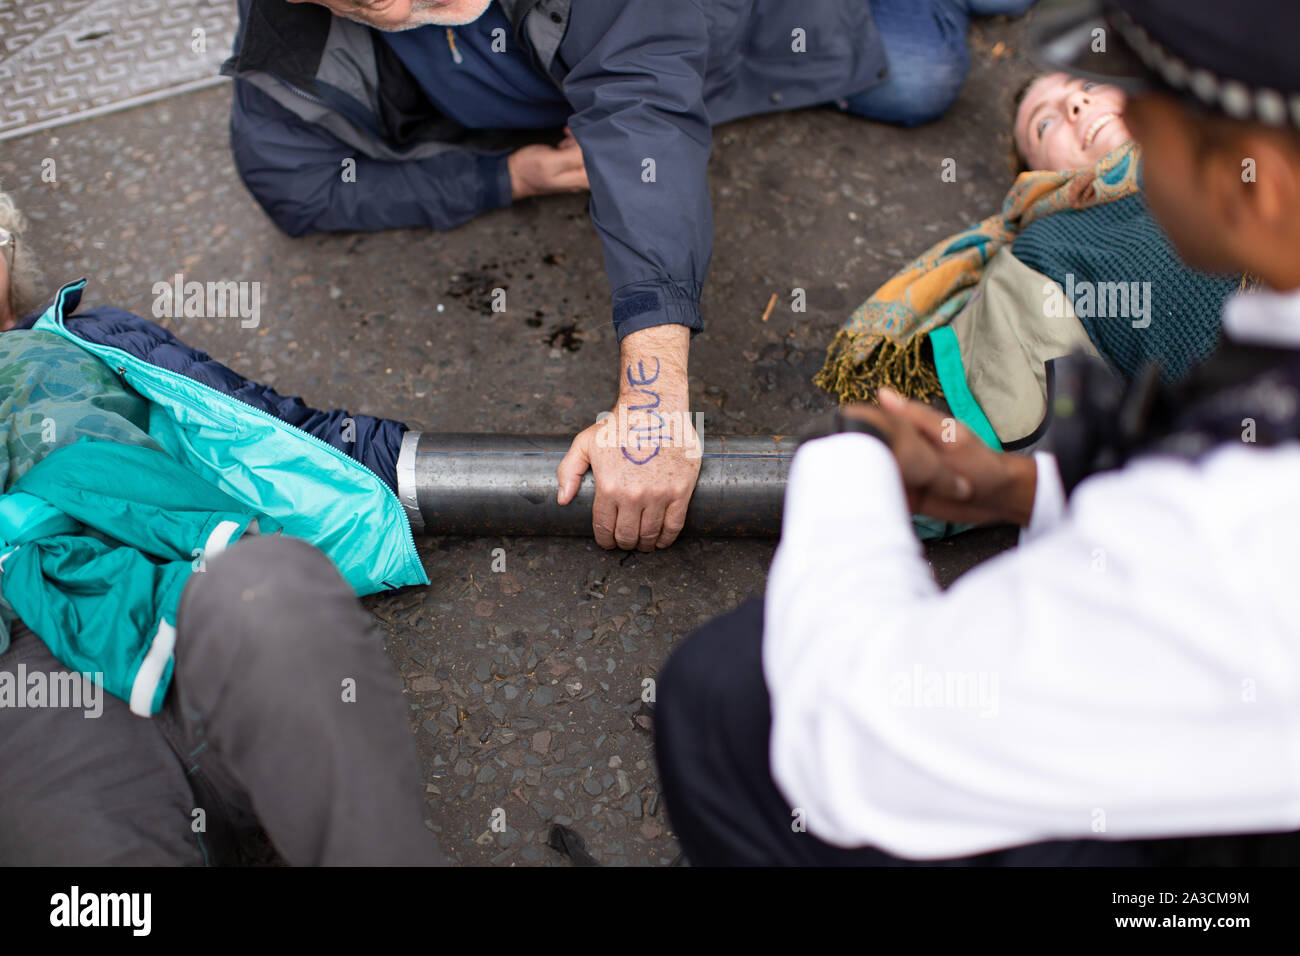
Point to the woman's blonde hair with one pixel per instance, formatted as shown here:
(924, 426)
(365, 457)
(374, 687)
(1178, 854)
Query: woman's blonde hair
(26, 284)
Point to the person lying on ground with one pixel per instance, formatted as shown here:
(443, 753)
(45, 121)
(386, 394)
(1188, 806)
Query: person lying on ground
(1074, 261)
(351, 115)
(236, 683)
(1125, 677)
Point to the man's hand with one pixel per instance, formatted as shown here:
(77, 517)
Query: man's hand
(947, 471)
(538, 170)
(645, 456)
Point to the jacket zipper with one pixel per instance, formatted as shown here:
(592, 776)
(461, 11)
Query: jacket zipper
(455, 54)
(304, 94)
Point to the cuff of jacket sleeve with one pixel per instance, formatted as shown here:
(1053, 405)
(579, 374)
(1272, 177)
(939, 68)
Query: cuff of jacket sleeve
(644, 305)
(844, 481)
(494, 171)
(1049, 498)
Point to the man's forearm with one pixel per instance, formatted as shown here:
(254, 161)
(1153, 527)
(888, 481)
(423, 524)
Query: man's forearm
(654, 389)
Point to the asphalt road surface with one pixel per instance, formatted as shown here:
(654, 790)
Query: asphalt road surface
(525, 685)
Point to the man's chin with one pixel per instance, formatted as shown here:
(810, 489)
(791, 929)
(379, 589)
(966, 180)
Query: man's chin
(451, 15)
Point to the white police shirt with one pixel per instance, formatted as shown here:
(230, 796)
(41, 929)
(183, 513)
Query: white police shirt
(1131, 670)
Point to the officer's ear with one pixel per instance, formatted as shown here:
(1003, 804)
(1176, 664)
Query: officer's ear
(1267, 164)
(1251, 176)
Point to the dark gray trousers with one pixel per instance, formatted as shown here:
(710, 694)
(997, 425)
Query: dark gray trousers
(283, 712)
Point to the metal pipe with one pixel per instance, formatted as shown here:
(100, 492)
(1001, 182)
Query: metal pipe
(505, 484)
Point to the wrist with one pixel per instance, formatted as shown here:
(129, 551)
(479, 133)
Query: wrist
(654, 361)
(666, 395)
(1019, 487)
(519, 188)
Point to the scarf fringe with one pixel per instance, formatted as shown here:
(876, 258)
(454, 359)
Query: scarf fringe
(860, 362)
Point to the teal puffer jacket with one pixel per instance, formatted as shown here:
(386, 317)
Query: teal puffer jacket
(207, 462)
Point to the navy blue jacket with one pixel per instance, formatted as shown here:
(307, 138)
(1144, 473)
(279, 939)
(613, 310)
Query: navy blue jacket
(646, 79)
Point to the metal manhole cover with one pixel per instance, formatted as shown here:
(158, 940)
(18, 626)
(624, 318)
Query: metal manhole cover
(66, 60)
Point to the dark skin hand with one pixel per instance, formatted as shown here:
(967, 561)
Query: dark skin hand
(947, 471)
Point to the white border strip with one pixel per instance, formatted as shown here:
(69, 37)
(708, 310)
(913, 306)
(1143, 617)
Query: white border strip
(219, 539)
(147, 677)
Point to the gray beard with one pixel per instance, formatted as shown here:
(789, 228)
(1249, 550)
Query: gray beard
(432, 16)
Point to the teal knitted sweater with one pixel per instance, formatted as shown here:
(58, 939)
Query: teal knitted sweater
(1091, 251)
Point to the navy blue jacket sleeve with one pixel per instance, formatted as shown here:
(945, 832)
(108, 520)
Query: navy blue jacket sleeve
(295, 170)
(374, 442)
(636, 84)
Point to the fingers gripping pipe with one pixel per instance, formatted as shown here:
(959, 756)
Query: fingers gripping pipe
(505, 484)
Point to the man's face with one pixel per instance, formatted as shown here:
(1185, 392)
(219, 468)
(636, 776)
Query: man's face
(394, 15)
(1065, 122)
(1173, 182)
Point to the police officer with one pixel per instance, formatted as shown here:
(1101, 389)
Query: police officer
(1130, 671)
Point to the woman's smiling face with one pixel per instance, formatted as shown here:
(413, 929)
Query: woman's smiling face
(1065, 122)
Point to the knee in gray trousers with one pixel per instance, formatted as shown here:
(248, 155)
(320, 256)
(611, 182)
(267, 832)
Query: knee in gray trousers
(282, 677)
(284, 710)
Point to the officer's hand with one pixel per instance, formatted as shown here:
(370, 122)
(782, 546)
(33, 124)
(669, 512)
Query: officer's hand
(981, 485)
(922, 469)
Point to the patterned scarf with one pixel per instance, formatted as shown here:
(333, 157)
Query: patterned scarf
(880, 345)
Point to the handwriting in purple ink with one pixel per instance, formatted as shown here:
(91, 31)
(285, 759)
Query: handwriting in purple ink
(649, 435)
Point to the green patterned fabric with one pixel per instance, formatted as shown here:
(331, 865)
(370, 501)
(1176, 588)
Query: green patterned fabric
(882, 342)
(52, 394)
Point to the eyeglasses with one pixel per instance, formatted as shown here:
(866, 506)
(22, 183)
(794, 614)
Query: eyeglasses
(8, 244)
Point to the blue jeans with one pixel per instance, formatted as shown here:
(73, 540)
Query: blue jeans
(925, 44)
